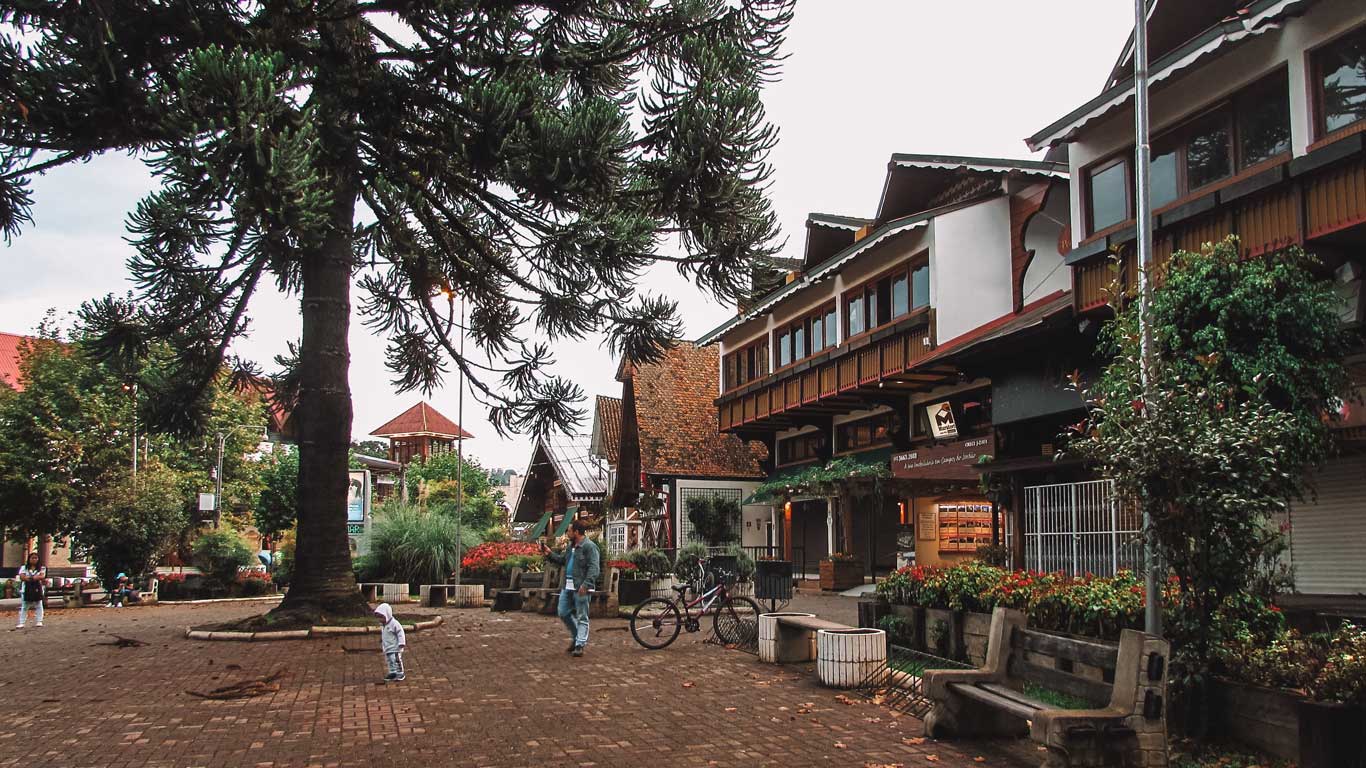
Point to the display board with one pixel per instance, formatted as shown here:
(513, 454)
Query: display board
(964, 525)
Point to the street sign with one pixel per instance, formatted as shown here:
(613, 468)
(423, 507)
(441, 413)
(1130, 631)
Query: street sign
(206, 502)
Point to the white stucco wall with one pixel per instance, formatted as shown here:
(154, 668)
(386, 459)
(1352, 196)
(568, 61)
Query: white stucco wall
(970, 268)
(753, 516)
(1046, 272)
(1211, 81)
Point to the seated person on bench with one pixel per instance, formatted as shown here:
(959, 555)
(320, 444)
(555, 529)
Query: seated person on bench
(122, 590)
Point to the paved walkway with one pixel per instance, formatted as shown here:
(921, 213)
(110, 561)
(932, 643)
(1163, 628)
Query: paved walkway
(483, 690)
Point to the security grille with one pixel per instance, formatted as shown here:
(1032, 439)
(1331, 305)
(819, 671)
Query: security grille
(1080, 528)
(686, 534)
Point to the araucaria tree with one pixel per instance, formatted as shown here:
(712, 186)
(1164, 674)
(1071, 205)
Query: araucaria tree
(528, 160)
(1246, 368)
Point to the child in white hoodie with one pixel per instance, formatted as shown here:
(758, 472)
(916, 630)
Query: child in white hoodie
(392, 642)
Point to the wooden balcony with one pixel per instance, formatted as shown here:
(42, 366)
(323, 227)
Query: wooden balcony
(837, 382)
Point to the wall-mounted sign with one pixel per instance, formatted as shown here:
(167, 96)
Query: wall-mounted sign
(943, 462)
(927, 524)
(942, 424)
(355, 497)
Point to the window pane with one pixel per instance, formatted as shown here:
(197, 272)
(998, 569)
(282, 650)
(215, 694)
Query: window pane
(784, 350)
(798, 342)
(1163, 177)
(1109, 196)
(883, 292)
(1343, 65)
(1207, 151)
(871, 317)
(920, 287)
(763, 358)
(817, 334)
(1264, 120)
(901, 297)
(855, 309)
(831, 329)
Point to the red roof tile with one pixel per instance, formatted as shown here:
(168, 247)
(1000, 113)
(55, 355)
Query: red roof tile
(421, 419)
(9, 359)
(676, 411)
(607, 428)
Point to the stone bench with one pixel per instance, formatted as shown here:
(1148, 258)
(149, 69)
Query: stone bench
(384, 592)
(791, 636)
(1125, 723)
(457, 595)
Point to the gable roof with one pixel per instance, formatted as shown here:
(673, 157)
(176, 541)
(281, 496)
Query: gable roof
(1255, 18)
(421, 419)
(915, 183)
(568, 460)
(607, 428)
(676, 419)
(9, 360)
(828, 234)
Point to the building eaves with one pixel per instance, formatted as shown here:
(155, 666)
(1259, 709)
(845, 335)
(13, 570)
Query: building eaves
(1218, 38)
(839, 222)
(981, 164)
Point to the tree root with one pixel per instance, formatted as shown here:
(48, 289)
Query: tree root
(246, 689)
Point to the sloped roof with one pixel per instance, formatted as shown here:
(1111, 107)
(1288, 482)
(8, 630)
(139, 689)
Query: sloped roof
(9, 360)
(581, 473)
(676, 417)
(421, 419)
(607, 428)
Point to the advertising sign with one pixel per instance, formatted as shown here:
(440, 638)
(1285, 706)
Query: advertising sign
(355, 497)
(943, 462)
(942, 424)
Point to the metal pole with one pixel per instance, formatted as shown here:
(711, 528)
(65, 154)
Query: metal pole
(135, 431)
(1152, 621)
(460, 449)
(218, 480)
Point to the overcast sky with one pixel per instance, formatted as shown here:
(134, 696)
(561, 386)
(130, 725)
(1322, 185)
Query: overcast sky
(865, 79)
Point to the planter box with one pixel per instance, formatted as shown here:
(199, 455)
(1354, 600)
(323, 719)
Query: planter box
(662, 587)
(839, 575)
(870, 613)
(742, 589)
(914, 616)
(1280, 723)
(633, 591)
(944, 633)
(848, 658)
(976, 628)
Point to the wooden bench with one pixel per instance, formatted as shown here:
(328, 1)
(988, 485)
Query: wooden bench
(795, 637)
(1124, 687)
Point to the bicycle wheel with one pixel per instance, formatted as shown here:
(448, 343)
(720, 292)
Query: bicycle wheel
(655, 623)
(737, 622)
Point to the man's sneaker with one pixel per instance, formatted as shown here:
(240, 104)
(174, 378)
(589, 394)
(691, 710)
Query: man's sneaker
(39, 625)
(400, 678)
(390, 676)
(571, 647)
(578, 650)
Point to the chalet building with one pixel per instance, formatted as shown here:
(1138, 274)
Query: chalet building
(564, 481)
(1258, 109)
(669, 450)
(861, 354)
(420, 433)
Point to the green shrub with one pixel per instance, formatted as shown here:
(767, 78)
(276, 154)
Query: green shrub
(528, 564)
(713, 518)
(686, 567)
(411, 546)
(219, 555)
(744, 563)
(650, 563)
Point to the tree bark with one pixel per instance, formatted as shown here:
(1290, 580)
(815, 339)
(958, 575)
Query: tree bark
(323, 582)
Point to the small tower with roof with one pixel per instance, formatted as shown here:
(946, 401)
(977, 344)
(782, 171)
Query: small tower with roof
(420, 433)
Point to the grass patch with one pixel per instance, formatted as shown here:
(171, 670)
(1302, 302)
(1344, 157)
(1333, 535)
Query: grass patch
(1055, 699)
(1185, 755)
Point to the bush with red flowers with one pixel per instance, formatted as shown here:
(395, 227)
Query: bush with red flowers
(495, 559)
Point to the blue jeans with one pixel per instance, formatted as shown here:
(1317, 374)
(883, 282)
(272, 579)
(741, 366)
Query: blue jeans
(574, 613)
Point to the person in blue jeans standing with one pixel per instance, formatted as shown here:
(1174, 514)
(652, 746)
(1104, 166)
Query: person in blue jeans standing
(582, 568)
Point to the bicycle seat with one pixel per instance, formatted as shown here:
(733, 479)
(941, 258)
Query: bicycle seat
(680, 589)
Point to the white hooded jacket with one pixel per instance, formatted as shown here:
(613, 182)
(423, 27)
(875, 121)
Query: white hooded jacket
(391, 636)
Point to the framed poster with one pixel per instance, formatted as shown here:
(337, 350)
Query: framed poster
(927, 524)
(942, 423)
(964, 526)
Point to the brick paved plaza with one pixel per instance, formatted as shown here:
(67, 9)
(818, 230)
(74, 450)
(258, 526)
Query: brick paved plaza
(483, 690)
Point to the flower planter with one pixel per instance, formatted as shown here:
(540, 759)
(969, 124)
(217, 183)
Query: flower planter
(742, 589)
(634, 591)
(845, 658)
(839, 575)
(913, 636)
(662, 587)
(870, 613)
(1285, 725)
(944, 632)
(976, 628)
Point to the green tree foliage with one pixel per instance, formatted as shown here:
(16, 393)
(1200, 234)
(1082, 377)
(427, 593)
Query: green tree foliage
(128, 525)
(219, 554)
(1246, 361)
(277, 506)
(375, 448)
(713, 519)
(415, 546)
(447, 467)
(532, 159)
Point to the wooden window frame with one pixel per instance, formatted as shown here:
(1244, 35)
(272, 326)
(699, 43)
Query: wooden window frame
(780, 442)
(803, 321)
(1314, 71)
(1124, 158)
(870, 325)
(736, 356)
(842, 451)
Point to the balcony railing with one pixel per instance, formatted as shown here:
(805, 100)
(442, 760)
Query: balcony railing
(843, 371)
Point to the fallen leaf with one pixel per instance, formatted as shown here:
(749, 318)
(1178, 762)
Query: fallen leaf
(731, 709)
(840, 745)
(932, 758)
(689, 684)
(979, 759)
(845, 700)
(803, 711)
(914, 740)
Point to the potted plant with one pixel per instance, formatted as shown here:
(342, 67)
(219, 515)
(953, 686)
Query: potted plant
(744, 571)
(634, 587)
(841, 571)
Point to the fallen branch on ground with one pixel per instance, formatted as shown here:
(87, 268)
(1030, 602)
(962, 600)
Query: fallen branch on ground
(123, 642)
(245, 689)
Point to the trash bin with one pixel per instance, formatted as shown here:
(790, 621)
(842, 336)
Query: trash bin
(773, 579)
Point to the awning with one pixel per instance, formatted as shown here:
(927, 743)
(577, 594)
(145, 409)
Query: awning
(538, 528)
(569, 515)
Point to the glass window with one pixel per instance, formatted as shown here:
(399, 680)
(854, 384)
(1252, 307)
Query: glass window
(798, 342)
(901, 296)
(831, 329)
(920, 286)
(1207, 151)
(1342, 69)
(817, 334)
(855, 316)
(1109, 191)
(1163, 176)
(1264, 120)
(784, 350)
(870, 312)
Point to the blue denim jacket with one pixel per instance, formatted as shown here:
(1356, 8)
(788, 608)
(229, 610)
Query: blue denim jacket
(586, 567)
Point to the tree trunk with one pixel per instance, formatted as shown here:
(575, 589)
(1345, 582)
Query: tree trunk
(323, 582)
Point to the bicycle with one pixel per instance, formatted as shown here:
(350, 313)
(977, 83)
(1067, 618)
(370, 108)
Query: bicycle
(657, 622)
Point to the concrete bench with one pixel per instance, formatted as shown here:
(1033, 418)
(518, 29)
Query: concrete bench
(791, 636)
(384, 592)
(1124, 724)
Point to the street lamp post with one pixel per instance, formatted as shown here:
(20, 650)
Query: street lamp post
(218, 470)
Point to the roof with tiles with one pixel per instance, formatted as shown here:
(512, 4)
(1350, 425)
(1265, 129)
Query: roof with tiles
(607, 428)
(676, 413)
(10, 373)
(421, 419)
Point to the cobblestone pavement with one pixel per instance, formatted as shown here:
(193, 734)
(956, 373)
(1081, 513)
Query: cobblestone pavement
(483, 690)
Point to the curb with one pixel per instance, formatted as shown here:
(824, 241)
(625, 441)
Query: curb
(304, 634)
(217, 600)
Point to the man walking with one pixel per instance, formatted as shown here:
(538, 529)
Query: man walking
(582, 568)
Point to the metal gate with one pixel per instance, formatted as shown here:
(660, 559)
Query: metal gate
(1080, 528)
